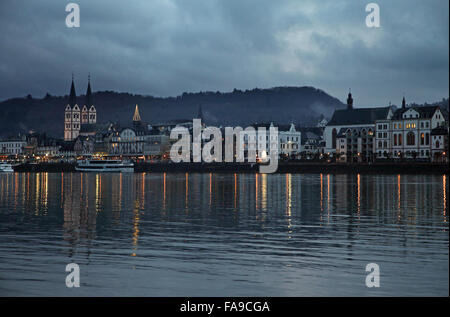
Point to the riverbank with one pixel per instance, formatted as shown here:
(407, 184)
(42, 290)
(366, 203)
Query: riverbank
(283, 167)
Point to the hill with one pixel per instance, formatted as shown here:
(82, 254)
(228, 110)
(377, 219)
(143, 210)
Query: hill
(302, 105)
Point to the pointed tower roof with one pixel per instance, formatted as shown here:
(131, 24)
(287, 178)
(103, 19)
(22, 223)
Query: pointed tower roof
(73, 95)
(200, 113)
(350, 100)
(89, 99)
(136, 116)
(403, 103)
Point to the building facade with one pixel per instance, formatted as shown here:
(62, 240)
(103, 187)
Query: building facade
(74, 117)
(289, 141)
(355, 144)
(129, 141)
(12, 146)
(351, 118)
(419, 133)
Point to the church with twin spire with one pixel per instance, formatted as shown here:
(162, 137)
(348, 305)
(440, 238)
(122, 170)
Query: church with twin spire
(74, 117)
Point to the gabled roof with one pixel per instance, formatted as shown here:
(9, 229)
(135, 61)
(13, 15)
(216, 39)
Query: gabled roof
(358, 116)
(89, 99)
(94, 127)
(425, 112)
(73, 95)
(267, 125)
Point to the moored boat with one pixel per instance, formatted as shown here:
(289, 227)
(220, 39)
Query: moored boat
(104, 166)
(6, 167)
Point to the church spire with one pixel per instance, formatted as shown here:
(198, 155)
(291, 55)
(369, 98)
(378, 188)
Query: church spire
(349, 100)
(403, 103)
(72, 96)
(136, 117)
(200, 113)
(89, 101)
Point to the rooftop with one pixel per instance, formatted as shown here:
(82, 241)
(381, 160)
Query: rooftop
(358, 116)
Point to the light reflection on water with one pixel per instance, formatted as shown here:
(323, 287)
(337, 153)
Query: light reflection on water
(223, 234)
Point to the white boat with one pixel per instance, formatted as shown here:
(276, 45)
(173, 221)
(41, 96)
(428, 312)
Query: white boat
(5, 167)
(104, 166)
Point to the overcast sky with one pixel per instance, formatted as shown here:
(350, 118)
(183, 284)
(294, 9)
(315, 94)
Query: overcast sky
(167, 47)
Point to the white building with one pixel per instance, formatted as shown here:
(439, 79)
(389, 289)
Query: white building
(312, 142)
(289, 139)
(12, 146)
(439, 144)
(74, 118)
(352, 118)
(409, 133)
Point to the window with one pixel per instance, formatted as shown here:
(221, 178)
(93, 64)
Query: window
(427, 139)
(410, 138)
(395, 125)
(395, 139)
(400, 138)
(422, 139)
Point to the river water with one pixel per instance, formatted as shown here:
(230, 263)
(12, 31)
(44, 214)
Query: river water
(148, 234)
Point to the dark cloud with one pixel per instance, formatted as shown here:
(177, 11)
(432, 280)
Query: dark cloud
(166, 47)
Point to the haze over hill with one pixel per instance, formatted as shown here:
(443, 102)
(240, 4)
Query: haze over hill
(301, 105)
